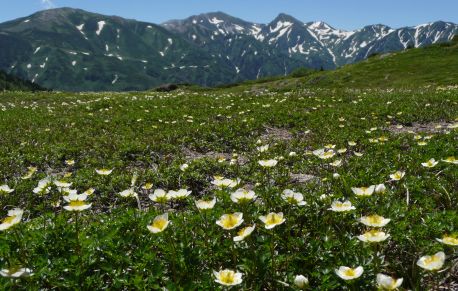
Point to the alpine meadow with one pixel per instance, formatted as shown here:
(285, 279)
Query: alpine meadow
(214, 153)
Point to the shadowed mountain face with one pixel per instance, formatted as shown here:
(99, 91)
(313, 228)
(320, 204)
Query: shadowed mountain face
(70, 49)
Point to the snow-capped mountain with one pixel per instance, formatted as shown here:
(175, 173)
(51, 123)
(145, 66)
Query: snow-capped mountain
(72, 49)
(317, 44)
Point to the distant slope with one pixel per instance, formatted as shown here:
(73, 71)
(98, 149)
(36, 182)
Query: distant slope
(12, 83)
(433, 65)
(75, 50)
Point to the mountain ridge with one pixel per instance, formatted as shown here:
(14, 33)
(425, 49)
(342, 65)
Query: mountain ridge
(71, 49)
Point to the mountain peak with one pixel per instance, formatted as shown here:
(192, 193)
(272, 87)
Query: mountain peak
(285, 18)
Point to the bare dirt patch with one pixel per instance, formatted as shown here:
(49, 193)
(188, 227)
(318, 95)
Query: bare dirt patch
(193, 155)
(431, 127)
(302, 178)
(276, 133)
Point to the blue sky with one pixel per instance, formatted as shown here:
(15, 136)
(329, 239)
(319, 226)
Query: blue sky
(345, 14)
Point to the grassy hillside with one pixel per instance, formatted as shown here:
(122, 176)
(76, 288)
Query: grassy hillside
(435, 65)
(147, 137)
(12, 83)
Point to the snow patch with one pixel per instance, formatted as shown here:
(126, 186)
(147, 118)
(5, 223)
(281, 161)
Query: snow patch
(101, 25)
(115, 79)
(74, 63)
(215, 21)
(36, 50)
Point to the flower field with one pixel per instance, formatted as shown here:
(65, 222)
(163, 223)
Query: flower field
(241, 188)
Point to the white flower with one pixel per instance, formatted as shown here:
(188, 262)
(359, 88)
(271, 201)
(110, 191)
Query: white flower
(230, 221)
(451, 160)
(62, 184)
(205, 205)
(324, 154)
(30, 173)
(16, 272)
(429, 164)
(398, 175)
(263, 148)
(159, 196)
(159, 223)
(301, 281)
(228, 277)
(373, 236)
(338, 206)
(242, 196)
(448, 240)
(432, 263)
(128, 193)
(5, 189)
(336, 163)
(89, 191)
(76, 202)
(374, 221)
(385, 282)
(380, 189)
(222, 182)
(44, 186)
(179, 194)
(272, 219)
(104, 172)
(13, 218)
(244, 232)
(268, 163)
(342, 151)
(347, 273)
(184, 167)
(363, 191)
(292, 197)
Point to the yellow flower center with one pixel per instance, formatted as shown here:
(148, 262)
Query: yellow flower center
(328, 154)
(227, 277)
(76, 203)
(292, 200)
(242, 231)
(230, 221)
(160, 223)
(273, 219)
(450, 240)
(431, 259)
(371, 233)
(9, 219)
(350, 272)
(374, 219)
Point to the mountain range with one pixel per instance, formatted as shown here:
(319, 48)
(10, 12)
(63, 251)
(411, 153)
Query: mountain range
(74, 50)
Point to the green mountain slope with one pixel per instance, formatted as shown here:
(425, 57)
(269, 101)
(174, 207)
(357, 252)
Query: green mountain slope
(70, 49)
(12, 83)
(433, 65)
(74, 50)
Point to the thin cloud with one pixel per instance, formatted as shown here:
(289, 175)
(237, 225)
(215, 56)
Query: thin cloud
(47, 4)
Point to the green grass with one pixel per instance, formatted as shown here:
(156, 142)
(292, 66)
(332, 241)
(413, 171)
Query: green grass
(151, 134)
(429, 66)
